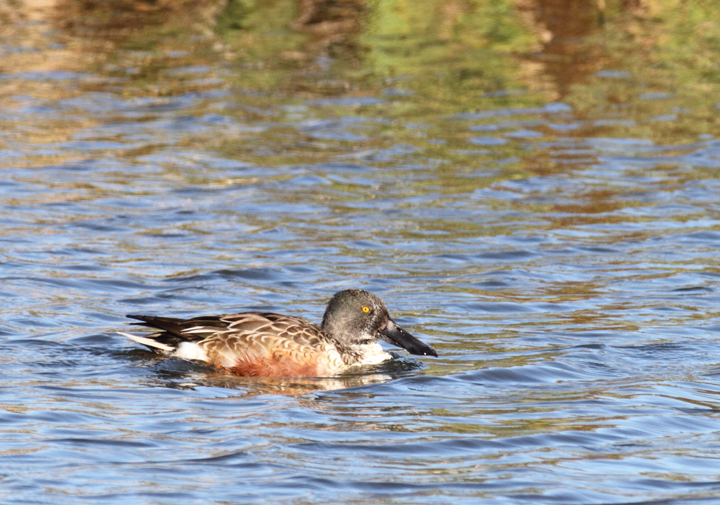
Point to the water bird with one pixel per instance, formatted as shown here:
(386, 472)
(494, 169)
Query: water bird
(264, 344)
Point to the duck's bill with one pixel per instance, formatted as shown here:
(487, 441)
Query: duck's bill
(393, 334)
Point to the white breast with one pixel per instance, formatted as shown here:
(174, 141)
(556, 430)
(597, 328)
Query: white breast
(371, 354)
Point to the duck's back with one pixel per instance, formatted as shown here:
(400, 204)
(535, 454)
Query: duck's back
(251, 343)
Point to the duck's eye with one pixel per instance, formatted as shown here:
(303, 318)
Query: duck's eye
(366, 309)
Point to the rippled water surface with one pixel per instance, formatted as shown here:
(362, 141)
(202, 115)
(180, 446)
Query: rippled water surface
(531, 187)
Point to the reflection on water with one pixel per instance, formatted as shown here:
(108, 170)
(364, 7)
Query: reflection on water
(530, 186)
(192, 375)
(270, 385)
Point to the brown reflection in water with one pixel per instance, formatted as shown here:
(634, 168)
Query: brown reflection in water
(563, 26)
(334, 24)
(230, 30)
(592, 202)
(86, 36)
(583, 320)
(575, 42)
(112, 21)
(98, 25)
(254, 386)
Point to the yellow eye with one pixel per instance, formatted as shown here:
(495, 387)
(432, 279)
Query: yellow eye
(366, 309)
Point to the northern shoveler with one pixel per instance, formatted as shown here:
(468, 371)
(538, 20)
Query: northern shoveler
(263, 344)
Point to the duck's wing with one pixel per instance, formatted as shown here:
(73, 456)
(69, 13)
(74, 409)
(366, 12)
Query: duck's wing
(266, 344)
(227, 338)
(260, 334)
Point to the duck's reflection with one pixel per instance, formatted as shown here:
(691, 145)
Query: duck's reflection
(179, 374)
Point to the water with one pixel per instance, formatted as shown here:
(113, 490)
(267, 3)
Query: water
(536, 196)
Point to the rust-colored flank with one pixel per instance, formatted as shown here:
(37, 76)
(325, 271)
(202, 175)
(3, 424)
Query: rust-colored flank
(276, 366)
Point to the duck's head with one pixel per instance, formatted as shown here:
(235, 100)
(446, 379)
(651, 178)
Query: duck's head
(357, 317)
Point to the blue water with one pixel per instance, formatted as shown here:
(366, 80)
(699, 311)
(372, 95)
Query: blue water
(562, 263)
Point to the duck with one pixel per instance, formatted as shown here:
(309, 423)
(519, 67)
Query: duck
(265, 344)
